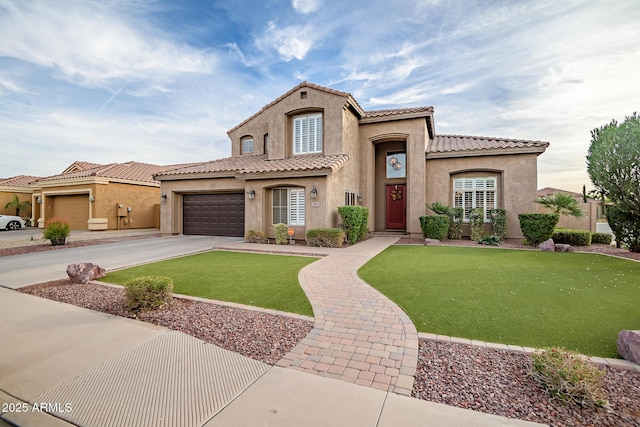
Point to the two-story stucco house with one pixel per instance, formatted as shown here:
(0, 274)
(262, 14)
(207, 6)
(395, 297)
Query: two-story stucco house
(314, 149)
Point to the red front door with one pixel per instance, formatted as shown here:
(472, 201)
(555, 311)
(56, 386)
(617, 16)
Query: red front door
(396, 207)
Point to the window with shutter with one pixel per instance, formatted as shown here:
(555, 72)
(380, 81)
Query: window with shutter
(307, 134)
(469, 193)
(288, 206)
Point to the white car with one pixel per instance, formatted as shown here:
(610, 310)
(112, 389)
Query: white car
(10, 222)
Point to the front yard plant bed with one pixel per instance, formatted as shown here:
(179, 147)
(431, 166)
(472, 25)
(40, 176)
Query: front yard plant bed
(527, 298)
(261, 280)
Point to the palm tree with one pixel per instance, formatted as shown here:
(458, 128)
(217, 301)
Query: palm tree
(17, 205)
(562, 204)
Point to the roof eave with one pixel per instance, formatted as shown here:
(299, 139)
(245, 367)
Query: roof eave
(286, 174)
(489, 152)
(403, 116)
(194, 175)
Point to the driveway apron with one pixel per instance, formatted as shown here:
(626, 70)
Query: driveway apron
(359, 335)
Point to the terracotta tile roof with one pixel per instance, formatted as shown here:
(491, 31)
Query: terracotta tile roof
(260, 164)
(397, 111)
(347, 95)
(18, 181)
(129, 171)
(79, 165)
(463, 144)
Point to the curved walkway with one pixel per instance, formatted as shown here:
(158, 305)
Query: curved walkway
(359, 335)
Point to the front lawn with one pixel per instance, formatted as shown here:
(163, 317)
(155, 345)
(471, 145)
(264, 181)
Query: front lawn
(528, 298)
(262, 280)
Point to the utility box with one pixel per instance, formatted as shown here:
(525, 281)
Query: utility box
(121, 210)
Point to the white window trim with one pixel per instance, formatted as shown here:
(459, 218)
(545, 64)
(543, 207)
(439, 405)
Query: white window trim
(474, 186)
(307, 133)
(245, 143)
(295, 199)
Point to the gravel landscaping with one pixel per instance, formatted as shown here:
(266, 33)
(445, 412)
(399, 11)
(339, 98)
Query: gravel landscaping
(485, 380)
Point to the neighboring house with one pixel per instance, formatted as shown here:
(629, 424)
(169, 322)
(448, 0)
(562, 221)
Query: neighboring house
(590, 210)
(93, 196)
(314, 149)
(12, 187)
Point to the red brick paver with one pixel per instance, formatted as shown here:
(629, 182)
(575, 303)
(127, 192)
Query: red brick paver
(359, 335)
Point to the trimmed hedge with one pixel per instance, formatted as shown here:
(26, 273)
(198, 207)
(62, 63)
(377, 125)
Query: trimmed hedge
(572, 237)
(148, 292)
(325, 237)
(254, 236)
(537, 227)
(601, 238)
(354, 222)
(498, 218)
(476, 227)
(280, 231)
(625, 226)
(434, 226)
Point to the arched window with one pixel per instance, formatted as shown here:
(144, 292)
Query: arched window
(307, 133)
(469, 193)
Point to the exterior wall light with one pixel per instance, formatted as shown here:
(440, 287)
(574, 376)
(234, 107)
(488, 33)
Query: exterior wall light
(360, 198)
(39, 199)
(92, 199)
(314, 192)
(252, 194)
(163, 198)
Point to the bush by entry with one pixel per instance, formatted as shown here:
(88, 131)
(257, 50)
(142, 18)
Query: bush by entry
(528, 298)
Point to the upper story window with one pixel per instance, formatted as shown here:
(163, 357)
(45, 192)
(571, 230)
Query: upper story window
(469, 193)
(307, 133)
(247, 145)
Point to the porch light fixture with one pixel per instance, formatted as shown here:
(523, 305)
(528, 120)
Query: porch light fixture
(360, 198)
(252, 194)
(92, 199)
(314, 192)
(39, 199)
(163, 198)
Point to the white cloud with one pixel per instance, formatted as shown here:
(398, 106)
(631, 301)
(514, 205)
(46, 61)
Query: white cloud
(306, 6)
(291, 42)
(93, 42)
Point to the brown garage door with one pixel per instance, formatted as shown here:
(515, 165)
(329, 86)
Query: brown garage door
(214, 214)
(73, 208)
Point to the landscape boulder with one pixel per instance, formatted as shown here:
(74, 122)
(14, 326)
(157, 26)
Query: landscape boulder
(563, 247)
(547, 246)
(84, 272)
(629, 345)
(432, 242)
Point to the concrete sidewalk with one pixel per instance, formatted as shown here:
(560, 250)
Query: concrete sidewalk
(94, 369)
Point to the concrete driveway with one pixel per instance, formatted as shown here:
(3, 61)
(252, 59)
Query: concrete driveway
(22, 270)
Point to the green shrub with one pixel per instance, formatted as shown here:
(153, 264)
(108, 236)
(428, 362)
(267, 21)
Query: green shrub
(148, 292)
(476, 227)
(434, 226)
(568, 377)
(571, 237)
(455, 227)
(490, 240)
(498, 218)
(57, 230)
(537, 227)
(601, 238)
(625, 226)
(282, 235)
(325, 237)
(354, 221)
(254, 236)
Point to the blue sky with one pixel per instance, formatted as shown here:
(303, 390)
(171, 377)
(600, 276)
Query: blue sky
(162, 81)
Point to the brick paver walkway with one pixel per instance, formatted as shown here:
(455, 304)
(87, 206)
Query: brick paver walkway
(359, 335)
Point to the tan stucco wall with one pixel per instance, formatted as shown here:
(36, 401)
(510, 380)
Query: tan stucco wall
(517, 183)
(102, 214)
(276, 121)
(586, 223)
(409, 134)
(8, 196)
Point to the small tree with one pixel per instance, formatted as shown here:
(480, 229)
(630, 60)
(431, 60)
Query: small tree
(16, 204)
(476, 226)
(613, 164)
(561, 203)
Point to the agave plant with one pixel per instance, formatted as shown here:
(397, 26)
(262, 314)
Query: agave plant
(561, 203)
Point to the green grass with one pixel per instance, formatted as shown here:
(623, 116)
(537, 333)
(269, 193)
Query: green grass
(528, 298)
(262, 280)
